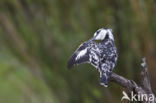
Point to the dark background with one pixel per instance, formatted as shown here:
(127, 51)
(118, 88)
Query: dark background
(38, 36)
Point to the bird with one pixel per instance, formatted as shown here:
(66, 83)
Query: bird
(99, 51)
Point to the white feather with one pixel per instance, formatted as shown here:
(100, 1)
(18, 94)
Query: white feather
(110, 34)
(101, 35)
(81, 53)
(104, 84)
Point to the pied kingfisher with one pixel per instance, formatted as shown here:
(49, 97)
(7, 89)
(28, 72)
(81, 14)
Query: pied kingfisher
(102, 54)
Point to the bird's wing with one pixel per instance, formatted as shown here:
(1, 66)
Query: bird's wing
(81, 55)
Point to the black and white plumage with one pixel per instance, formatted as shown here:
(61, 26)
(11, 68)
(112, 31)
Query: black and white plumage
(102, 55)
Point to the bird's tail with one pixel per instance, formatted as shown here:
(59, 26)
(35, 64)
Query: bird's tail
(104, 80)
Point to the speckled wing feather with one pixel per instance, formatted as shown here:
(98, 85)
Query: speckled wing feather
(81, 55)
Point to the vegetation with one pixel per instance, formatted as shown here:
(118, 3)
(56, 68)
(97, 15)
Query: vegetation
(38, 36)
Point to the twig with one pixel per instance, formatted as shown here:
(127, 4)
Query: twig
(144, 77)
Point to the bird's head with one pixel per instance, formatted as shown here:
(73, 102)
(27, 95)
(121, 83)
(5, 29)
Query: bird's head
(103, 33)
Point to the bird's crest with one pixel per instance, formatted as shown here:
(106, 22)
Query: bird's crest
(101, 34)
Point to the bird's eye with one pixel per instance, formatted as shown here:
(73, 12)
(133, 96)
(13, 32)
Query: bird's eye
(98, 32)
(98, 41)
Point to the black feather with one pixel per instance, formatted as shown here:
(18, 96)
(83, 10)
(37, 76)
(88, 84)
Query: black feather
(72, 60)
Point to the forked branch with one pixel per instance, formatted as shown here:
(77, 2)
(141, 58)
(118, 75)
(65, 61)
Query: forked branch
(131, 86)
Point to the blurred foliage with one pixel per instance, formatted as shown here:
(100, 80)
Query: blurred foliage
(38, 36)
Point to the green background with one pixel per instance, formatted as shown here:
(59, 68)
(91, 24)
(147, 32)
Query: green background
(38, 36)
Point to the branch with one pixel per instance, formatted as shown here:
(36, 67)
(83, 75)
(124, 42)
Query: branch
(130, 85)
(144, 75)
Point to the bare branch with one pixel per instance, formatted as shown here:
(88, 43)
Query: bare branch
(130, 85)
(144, 77)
